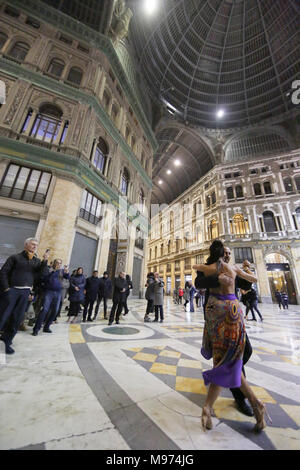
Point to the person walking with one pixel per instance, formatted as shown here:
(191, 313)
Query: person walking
(285, 300)
(278, 298)
(119, 298)
(249, 295)
(192, 293)
(149, 296)
(180, 295)
(224, 336)
(186, 295)
(17, 277)
(76, 293)
(129, 288)
(104, 293)
(64, 291)
(53, 291)
(91, 291)
(158, 297)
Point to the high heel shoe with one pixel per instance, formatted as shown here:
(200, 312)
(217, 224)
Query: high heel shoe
(260, 411)
(206, 419)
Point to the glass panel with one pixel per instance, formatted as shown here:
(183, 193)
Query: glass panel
(10, 176)
(19, 51)
(56, 67)
(88, 203)
(3, 39)
(288, 185)
(75, 76)
(33, 180)
(21, 180)
(44, 183)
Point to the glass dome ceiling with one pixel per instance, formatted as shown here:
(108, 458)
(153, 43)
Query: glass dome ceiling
(203, 56)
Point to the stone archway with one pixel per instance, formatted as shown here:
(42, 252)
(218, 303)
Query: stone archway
(280, 275)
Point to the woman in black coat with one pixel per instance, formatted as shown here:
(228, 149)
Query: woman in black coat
(129, 287)
(76, 293)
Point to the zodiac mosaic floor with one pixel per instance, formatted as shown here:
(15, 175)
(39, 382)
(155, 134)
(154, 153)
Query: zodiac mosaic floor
(139, 385)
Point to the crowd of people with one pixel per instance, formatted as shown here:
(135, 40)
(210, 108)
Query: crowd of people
(26, 280)
(29, 285)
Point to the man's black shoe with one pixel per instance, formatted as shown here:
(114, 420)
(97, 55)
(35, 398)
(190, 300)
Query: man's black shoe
(117, 322)
(9, 350)
(154, 321)
(89, 319)
(47, 331)
(84, 320)
(244, 408)
(34, 333)
(110, 323)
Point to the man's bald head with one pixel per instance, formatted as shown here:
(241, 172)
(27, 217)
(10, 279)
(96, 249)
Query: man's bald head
(227, 254)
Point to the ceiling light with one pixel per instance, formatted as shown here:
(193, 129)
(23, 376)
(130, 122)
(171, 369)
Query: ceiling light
(169, 172)
(150, 6)
(177, 163)
(160, 182)
(220, 113)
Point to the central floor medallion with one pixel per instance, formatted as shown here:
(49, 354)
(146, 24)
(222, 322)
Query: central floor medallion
(121, 330)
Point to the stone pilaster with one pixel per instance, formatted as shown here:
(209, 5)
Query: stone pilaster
(59, 228)
(262, 275)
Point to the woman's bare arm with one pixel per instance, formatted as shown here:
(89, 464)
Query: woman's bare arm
(206, 269)
(244, 275)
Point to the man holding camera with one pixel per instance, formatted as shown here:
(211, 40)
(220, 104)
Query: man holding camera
(17, 276)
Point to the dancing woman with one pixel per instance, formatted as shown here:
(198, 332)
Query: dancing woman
(224, 336)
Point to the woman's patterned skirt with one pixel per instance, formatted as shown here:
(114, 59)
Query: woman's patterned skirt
(224, 340)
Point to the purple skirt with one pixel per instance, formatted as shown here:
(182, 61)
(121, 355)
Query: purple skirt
(224, 340)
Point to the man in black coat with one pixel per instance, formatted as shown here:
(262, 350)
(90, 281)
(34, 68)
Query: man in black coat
(91, 292)
(119, 298)
(17, 276)
(104, 292)
(202, 282)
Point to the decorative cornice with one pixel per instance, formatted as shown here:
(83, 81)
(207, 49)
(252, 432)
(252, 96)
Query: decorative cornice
(95, 39)
(67, 91)
(63, 165)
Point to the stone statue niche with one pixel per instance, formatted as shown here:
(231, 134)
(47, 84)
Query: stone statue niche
(120, 21)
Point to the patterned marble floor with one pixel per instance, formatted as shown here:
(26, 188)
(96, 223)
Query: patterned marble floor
(139, 385)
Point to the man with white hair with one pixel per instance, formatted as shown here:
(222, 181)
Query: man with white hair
(17, 276)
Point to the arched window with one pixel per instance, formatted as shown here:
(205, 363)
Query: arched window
(19, 51)
(114, 112)
(124, 182)
(239, 191)
(213, 229)
(127, 134)
(229, 192)
(297, 218)
(56, 67)
(106, 99)
(177, 245)
(297, 182)
(257, 189)
(75, 75)
(239, 225)
(100, 157)
(150, 254)
(155, 253)
(133, 142)
(162, 249)
(288, 185)
(47, 123)
(267, 187)
(269, 222)
(169, 247)
(142, 200)
(3, 39)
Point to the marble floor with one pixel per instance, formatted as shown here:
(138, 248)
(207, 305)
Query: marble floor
(139, 385)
